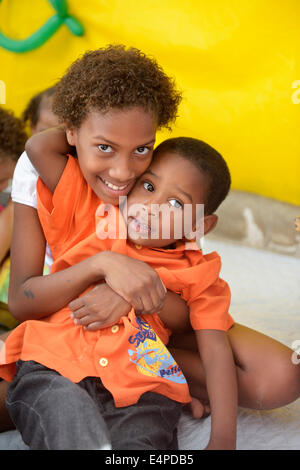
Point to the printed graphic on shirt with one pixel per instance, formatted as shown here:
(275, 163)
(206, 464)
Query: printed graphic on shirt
(151, 356)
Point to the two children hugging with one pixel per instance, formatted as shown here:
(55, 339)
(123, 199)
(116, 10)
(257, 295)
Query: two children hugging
(103, 382)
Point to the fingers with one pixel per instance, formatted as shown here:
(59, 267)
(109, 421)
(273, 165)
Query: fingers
(90, 322)
(156, 298)
(94, 326)
(76, 304)
(152, 300)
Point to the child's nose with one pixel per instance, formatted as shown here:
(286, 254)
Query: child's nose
(122, 171)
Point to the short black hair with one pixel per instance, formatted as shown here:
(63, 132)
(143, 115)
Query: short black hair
(207, 160)
(31, 113)
(12, 135)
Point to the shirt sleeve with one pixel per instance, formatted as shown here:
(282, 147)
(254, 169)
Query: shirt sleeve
(208, 296)
(210, 309)
(24, 182)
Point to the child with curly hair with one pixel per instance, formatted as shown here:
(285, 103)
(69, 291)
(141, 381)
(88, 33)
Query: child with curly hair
(112, 145)
(110, 98)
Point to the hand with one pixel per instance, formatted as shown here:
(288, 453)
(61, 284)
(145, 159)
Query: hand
(135, 281)
(99, 308)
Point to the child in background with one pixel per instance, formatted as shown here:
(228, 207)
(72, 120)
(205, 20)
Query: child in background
(37, 117)
(12, 143)
(38, 114)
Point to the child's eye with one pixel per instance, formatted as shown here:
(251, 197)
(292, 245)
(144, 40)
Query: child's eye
(148, 187)
(142, 150)
(175, 203)
(105, 148)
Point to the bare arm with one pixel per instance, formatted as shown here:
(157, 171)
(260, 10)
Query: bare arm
(102, 307)
(47, 152)
(6, 226)
(221, 383)
(175, 313)
(32, 295)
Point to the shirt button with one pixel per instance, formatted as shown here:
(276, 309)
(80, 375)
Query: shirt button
(115, 328)
(138, 247)
(103, 362)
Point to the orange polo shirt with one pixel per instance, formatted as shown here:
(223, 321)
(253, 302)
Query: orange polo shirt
(130, 357)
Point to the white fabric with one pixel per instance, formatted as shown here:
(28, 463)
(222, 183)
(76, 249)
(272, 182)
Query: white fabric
(24, 182)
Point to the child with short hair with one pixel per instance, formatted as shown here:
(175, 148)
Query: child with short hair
(107, 145)
(38, 114)
(122, 98)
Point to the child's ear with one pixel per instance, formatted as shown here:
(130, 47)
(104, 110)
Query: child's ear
(210, 221)
(71, 136)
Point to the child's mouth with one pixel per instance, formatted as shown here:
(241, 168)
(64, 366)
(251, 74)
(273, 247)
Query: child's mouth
(116, 190)
(142, 229)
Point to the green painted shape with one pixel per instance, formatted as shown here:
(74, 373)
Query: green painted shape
(46, 31)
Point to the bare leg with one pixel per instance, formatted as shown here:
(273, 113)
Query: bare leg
(267, 377)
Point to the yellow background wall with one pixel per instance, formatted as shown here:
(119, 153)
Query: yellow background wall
(235, 60)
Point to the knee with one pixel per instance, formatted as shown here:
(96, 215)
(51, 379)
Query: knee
(279, 385)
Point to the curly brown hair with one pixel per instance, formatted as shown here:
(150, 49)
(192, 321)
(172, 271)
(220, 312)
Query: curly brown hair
(115, 77)
(12, 135)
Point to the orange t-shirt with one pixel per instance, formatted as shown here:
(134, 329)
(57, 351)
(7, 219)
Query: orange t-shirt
(130, 357)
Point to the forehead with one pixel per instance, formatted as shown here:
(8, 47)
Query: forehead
(173, 169)
(119, 124)
(178, 167)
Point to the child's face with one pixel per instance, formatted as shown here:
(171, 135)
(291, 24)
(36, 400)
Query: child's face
(7, 166)
(114, 149)
(179, 185)
(47, 118)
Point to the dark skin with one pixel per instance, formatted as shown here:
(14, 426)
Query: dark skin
(238, 367)
(266, 377)
(34, 296)
(116, 269)
(172, 179)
